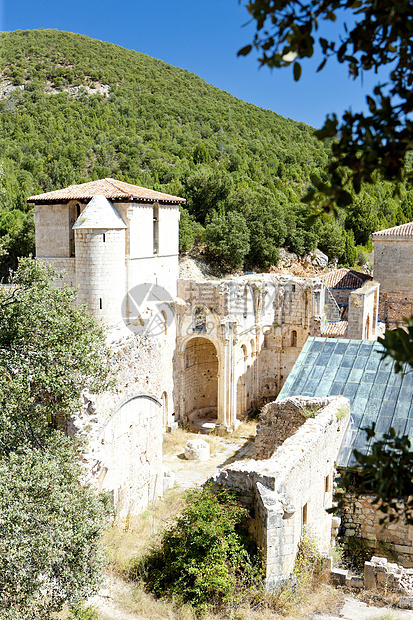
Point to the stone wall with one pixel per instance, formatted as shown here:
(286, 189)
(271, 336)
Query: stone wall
(100, 272)
(293, 487)
(52, 230)
(280, 420)
(201, 385)
(393, 259)
(124, 427)
(363, 312)
(393, 307)
(258, 326)
(360, 519)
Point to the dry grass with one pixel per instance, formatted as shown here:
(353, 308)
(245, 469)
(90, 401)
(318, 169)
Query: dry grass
(262, 606)
(127, 540)
(174, 442)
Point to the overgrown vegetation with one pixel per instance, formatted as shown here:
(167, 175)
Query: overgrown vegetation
(206, 557)
(241, 168)
(126, 546)
(50, 525)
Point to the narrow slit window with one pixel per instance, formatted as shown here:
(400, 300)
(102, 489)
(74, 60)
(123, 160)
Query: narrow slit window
(293, 338)
(156, 228)
(104, 237)
(305, 514)
(100, 303)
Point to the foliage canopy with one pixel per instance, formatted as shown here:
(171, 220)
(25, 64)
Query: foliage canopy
(77, 109)
(374, 35)
(205, 556)
(50, 525)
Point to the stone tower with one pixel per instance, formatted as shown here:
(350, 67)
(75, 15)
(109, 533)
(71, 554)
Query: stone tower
(99, 237)
(109, 237)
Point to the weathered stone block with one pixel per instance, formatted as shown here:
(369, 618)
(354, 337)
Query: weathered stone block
(197, 450)
(369, 576)
(339, 576)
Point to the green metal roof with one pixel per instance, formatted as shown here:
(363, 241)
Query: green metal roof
(355, 369)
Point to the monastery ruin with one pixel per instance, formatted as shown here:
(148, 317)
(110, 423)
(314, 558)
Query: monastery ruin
(206, 353)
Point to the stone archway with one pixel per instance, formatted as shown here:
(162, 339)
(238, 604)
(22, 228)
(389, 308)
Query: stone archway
(200, 382)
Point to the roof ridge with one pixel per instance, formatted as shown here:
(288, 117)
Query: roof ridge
(113, 183)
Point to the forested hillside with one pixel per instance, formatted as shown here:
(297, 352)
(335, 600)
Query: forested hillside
(73, 109)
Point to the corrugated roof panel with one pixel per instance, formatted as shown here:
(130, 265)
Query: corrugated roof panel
(355, 369)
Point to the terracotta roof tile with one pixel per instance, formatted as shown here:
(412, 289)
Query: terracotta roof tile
(335, 330)
(110, 188)
(345, 278)
(402, 231)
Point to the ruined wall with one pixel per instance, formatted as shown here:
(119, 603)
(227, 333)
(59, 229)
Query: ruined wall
(292, 488)
(363, 312)
(201, 369)
(280, 420)
(123, 427)
(361, 520)
(258, 326)
(393, 259)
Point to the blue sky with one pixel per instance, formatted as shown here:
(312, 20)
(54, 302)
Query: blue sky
(202, 37)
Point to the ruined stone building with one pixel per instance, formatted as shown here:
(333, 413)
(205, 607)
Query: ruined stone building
(200, 353)
(377, 394)
(393, 260)
(288, 485)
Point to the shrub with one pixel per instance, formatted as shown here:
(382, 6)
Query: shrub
(206, 557)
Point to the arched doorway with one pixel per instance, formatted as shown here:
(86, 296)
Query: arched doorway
(201, 379)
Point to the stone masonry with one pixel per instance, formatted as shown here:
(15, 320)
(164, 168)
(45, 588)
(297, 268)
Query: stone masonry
(292, 488)
(360, 519)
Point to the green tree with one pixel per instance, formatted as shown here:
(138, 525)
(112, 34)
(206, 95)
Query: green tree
(265, 219)
(49, 350)
(50, 529)
(227, 238)
(206, 556)
(50, 525)
(380, 34)
(186, 230)
(206, 190)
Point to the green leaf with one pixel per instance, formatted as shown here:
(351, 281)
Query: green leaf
(244, 51)
(297, 71)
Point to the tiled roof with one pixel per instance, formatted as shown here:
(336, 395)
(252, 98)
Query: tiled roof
(345, 278)
(335, 329)
(355, 369)
(99, 213)
(402, 231)
(110, 188)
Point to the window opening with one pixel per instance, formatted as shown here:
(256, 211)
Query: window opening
(104, 237)
(100, 303)
(156, 228)
(305, 514)
(293, 338)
